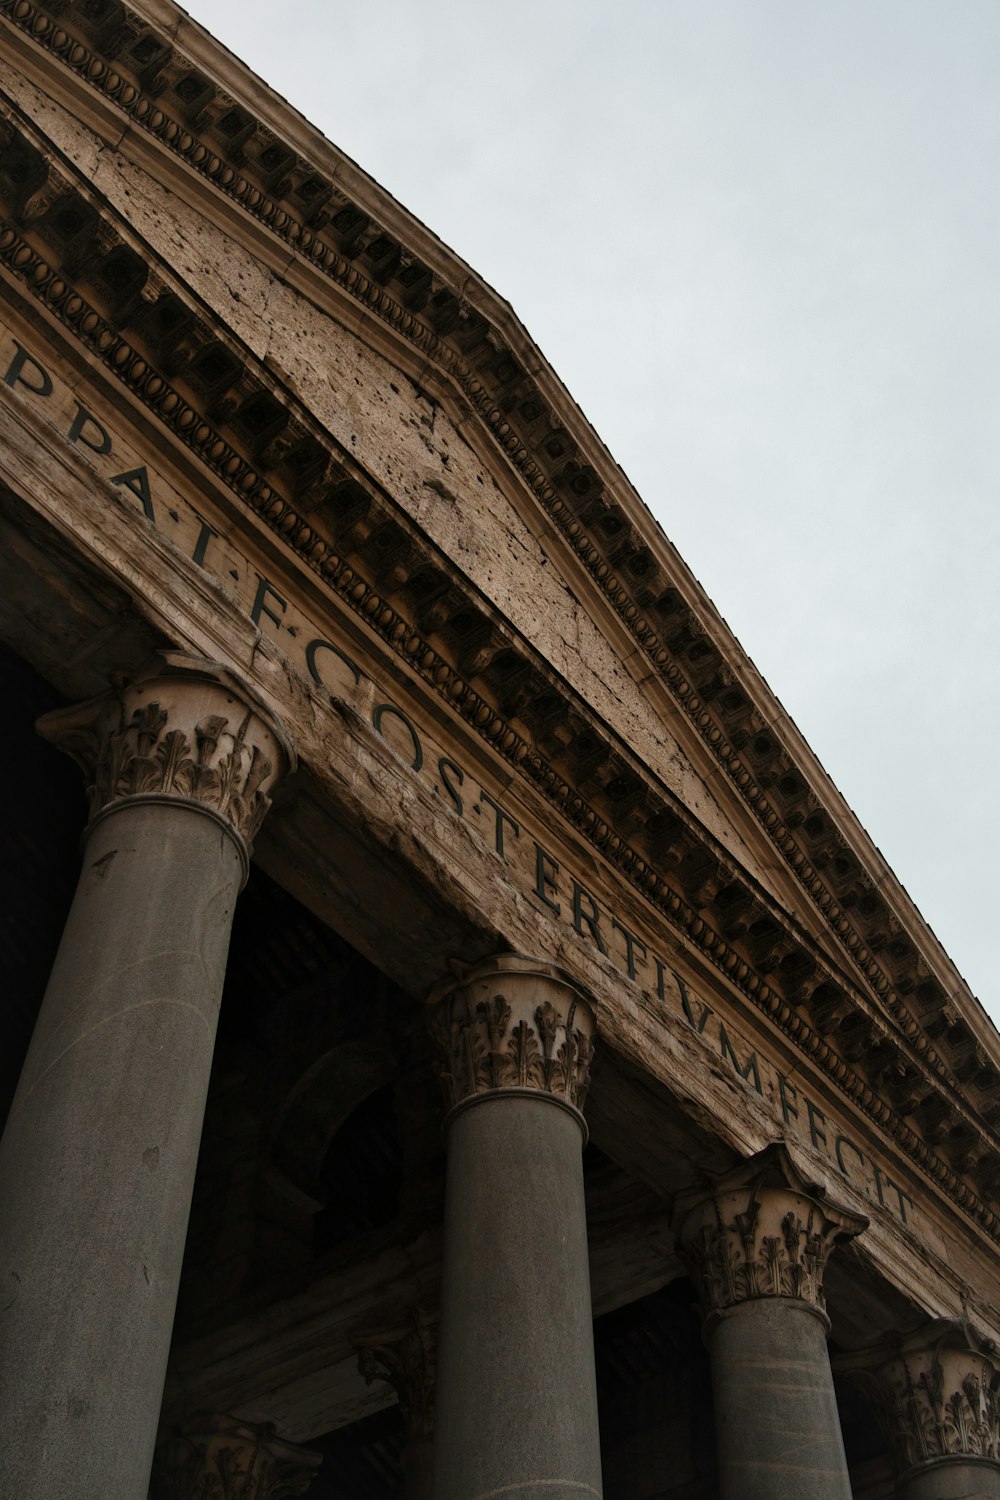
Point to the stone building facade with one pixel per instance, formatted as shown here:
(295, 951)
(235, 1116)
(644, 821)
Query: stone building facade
(480, 1052)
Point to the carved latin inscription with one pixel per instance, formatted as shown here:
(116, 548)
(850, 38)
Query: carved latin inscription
(513, 1023)
(936, 1392)
(189, 731)
(222, 1458)
(761, 1230)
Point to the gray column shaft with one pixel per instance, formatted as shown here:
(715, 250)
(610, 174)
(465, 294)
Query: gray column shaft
(418, 1468)
(98, 1159)
(952, 1479)
(777, 1425)
(516, 1410)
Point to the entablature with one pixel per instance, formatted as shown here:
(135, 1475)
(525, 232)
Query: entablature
(169, 81)
(465, 828)
(316, 509)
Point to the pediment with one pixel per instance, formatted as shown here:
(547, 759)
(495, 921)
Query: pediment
(391, 422)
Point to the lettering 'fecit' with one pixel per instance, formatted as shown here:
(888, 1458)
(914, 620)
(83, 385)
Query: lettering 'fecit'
(556, 892)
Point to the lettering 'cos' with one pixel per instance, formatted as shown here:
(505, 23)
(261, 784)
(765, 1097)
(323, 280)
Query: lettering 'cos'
(561, 895)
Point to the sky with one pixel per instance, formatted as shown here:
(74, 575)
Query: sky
(758, 241)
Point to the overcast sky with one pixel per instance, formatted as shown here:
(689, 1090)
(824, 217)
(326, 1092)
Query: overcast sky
(758, 240)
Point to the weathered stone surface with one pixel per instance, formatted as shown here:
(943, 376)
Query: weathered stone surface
(937, 1395)
(221, 1458)
(328, 846)
(419, 449)
(757, 1244)
(184, 733)
(98, 1156)
(952, 1480)
(737, 997)
(776, 1419)
(516, 1403)
(762, 1231)
(513, 1023)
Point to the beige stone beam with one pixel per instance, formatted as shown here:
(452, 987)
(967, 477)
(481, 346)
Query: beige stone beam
(360, 813)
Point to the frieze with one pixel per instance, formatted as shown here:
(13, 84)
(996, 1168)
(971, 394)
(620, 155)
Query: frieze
(249, 485)
(270, 609)
(438, 321)
(129, 365)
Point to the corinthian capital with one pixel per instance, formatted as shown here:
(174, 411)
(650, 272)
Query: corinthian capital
(222, 1458)
(513, 1023)
(761, 1230)
(407, 1360)
(189, 731)
(936, 1392)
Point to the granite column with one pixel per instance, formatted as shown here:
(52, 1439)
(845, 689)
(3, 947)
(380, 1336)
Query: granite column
(98, 1157)
(757, 1243)
(516, 1395)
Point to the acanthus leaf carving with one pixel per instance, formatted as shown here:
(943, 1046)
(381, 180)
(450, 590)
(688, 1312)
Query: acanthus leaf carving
(36, 273)
(408, 1361)
(534, 1035)
(132, 94)
(936, 1393)
(223, 1458)
(761, 1230)
(154, 738)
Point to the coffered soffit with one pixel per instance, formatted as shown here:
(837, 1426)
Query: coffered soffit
(893, 1003)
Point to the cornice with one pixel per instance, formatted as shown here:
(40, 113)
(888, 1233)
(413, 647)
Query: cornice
(137, 67)
(98, 280)
(436, 303)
